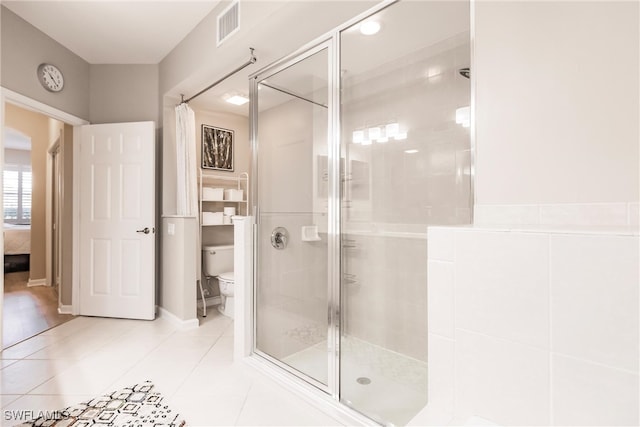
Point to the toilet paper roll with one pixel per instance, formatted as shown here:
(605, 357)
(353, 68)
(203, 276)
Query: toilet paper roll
(229, 211)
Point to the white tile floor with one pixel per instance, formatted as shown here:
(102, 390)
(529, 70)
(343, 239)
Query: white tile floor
(193, 369)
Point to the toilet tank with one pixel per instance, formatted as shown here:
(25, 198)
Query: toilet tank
(217, 260)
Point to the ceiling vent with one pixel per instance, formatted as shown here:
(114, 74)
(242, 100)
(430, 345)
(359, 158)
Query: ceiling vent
(228, 22)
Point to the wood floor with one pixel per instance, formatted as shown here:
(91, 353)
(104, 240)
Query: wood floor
(27, 311)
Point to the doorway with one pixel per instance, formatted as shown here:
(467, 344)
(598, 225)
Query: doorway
(33, 204)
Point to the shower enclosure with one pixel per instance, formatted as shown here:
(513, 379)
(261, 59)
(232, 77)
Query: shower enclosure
(360, 142)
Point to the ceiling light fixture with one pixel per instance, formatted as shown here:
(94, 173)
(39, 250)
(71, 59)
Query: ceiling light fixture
(463, 116)
(369, 28)
(375, 133)
(411, 151)
(392, 129)
(237, 100)
(357, 137)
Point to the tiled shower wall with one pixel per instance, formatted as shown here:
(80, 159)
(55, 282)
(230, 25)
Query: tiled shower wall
(622, 215)
(534, 327)
(385, 292)
(397, 188)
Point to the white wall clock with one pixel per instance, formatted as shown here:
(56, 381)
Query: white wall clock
(50, 77)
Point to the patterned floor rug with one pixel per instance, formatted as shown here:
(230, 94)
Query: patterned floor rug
(138, 405)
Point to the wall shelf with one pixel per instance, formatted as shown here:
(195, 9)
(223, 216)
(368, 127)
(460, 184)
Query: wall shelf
(216, 205)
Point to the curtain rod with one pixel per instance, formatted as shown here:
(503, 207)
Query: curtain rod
(252, 60)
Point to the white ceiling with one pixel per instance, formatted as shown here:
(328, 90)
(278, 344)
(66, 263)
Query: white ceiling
(115, 32)
(145, 31)
(16, 140)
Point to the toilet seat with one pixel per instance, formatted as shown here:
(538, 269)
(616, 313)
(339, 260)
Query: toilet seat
(227, 277)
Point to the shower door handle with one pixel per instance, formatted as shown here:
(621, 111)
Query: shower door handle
(279, 238)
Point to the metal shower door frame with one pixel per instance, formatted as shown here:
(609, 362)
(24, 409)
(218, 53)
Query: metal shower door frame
(333, 214)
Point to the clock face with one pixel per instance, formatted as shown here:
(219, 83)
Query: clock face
(50, 77)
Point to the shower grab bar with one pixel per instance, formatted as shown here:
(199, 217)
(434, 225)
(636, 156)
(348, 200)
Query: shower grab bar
(349, 279)
(349, 243)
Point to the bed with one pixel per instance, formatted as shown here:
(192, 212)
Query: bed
(17, 247)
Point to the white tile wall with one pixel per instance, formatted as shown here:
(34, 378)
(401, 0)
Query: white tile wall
(561, 214)
(387, 303)
(507, 214)
(546, 325)
(588, 394)
(502, 285)
(594, 299)
(440, 300)
(440, 243)
(441, 373)
(634, 215)
(614, 214)
(501, 380)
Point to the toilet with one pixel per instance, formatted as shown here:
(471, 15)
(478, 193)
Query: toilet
(218, 262)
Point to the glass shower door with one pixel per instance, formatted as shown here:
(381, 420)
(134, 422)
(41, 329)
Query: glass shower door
(292, 267)
(405, 139)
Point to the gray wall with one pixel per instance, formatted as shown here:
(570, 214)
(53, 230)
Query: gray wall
(271, 27)
(123, 93)
(97, 93)
(24, 47)
(186, 67)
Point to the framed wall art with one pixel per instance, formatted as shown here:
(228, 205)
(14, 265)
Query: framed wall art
(217, 148)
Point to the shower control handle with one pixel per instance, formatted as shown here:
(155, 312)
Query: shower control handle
(279, 238)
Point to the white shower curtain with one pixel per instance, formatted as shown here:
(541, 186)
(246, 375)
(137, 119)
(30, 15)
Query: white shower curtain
(187, 198)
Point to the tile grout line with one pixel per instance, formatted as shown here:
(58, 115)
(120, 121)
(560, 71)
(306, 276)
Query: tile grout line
(244, 402)
(69, 366)
(196, 364)
(139, 362)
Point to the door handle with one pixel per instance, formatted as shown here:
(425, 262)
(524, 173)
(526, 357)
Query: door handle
(279, 238)
(144, 230)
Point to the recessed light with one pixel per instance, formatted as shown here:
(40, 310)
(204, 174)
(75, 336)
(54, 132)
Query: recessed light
(411, 151)
(369, 28)
(237, 100)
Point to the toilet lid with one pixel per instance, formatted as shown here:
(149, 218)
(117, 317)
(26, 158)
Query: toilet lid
(228, 276)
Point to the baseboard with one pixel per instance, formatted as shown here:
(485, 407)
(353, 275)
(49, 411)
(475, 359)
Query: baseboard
(182, 324)
(65, 309)
(37, 282)
(210, 301)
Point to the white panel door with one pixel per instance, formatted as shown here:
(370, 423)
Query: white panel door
(117, 220)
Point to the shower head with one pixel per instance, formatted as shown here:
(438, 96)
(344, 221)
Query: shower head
(465, 72)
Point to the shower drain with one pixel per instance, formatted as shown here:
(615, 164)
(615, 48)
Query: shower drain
(363, 380)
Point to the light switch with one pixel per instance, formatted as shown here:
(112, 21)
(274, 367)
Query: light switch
(171, 229)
